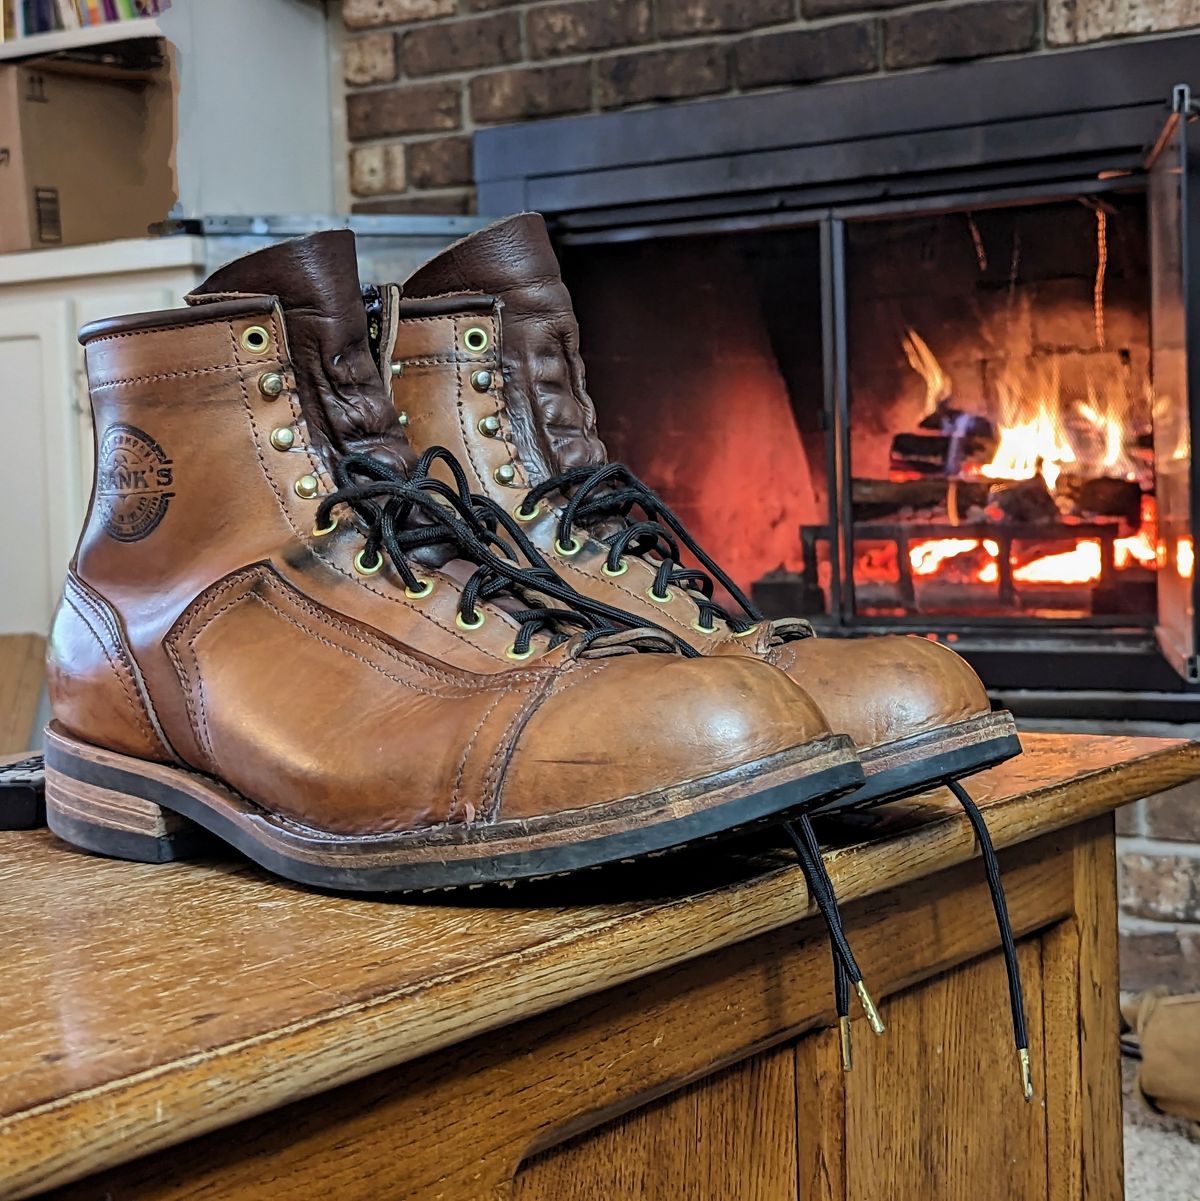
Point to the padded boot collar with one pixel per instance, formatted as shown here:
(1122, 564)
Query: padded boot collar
(552, 417)
(346, 401)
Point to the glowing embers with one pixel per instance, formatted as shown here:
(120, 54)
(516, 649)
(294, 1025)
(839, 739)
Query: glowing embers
(1185, 558)
(967, 559)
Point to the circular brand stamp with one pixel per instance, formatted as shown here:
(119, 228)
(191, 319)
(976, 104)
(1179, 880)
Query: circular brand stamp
(134, 478)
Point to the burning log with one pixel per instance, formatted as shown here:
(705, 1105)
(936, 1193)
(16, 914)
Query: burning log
(1022, 502)
(873, 499)
(1103, 497)
(922, 454)
(961, 438)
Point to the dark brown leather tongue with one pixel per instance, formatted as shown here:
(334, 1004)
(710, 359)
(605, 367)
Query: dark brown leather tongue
(346, 402)
(552, 419)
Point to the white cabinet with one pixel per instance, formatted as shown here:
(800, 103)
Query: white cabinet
(45, 417)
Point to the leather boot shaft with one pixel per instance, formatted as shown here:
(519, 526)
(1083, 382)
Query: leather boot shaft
(550, 416)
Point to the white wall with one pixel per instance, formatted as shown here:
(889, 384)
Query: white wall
(255, 110)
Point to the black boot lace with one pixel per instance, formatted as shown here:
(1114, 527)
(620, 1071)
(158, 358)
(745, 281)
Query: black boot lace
(846, 971)
(384, 504)
(498, 531)
(1012, 966)
(597, 495)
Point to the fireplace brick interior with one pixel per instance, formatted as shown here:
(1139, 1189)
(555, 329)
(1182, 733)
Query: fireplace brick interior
(704, 358)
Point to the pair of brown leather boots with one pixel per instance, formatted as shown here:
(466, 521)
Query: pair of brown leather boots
(296, 622)
(283, 628)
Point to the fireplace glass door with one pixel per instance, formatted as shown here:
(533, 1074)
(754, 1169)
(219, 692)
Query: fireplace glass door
(999, 449)
(1175, 274)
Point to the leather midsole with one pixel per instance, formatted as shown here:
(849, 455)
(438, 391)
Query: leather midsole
(974, 732)
(174, 789)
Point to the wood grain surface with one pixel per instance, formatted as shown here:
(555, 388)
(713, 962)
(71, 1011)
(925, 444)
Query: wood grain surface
(730, 1135)
(155, 1003)
(22, 674)
(458, 1124)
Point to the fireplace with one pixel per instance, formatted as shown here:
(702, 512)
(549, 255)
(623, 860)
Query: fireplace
(903, 375)
(999, 430)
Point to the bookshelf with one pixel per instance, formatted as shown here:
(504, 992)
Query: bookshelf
(79, 39)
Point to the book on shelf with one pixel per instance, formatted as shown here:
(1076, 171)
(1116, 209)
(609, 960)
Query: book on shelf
(22, 18)
(12, 20)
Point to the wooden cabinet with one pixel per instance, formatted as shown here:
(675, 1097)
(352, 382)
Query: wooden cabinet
(661, 1033)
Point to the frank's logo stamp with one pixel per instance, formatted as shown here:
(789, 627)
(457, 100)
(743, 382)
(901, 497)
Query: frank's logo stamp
(134, 479)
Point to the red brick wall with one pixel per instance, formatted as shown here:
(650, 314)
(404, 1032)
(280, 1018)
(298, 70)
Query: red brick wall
(421, 75)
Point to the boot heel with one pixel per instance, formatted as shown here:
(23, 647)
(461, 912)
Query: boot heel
(118, 824)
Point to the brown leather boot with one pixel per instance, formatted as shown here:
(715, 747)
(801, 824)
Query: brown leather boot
(484, 352)
(483, 349)
(272, 637)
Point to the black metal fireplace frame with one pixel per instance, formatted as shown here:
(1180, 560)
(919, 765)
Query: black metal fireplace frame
(1043, 127)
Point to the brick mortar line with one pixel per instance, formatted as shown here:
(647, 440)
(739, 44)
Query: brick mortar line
(1142, 844)
(1133, 924)
(406, 139)
(691, 41)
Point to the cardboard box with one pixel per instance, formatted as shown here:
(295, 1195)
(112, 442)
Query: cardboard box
(84, 157)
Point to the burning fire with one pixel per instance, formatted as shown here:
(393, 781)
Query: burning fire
(1029, 447)
(1041, 431)
(1081, 565)
(1185, 558)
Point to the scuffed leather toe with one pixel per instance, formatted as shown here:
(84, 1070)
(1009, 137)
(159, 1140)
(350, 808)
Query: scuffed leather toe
(617, 728)
(878, 690)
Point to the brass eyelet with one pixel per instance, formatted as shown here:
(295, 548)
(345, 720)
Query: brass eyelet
(513, 653)
(703, 629)
(270, 384)
(469, 625)
(612, 575)
(361, 567)
(520, 514)
(506, 474)
(417, 593)
(475, 339)
(567, 551)
(307, 486)
(283, 438)
(746, 633)
(489, 426)
(665, 599)
(255, 339)
(481, 380)
(322, 531)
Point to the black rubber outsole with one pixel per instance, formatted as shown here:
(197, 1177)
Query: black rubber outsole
(775, 803)
(910, 779)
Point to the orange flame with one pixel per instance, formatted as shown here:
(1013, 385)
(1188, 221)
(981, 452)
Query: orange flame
(1041, 430)
(928, 556)
(1185, 557)
(1080, 565)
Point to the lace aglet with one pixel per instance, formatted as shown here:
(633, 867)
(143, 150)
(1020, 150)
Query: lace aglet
(847, 1047)
(869, 1009)
(1026, 1073)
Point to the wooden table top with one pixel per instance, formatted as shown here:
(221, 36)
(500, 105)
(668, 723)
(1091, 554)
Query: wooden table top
(145, 1004)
